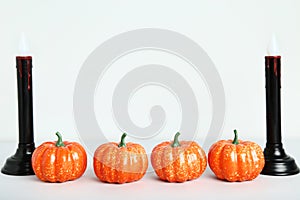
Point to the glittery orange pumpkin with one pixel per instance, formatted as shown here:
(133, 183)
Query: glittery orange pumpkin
(178, 161)
(120, 163)
(59, 161)
(236, 160)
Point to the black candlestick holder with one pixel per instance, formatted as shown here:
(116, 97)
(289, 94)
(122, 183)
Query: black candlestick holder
(20, 162)
(277, 162)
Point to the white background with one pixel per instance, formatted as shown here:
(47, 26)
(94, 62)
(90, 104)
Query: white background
(234, 33)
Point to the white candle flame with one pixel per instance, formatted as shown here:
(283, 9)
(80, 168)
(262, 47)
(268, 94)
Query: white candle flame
(273, 48)
(23, 45)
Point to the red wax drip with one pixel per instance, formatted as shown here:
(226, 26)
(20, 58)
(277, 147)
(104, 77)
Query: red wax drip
(275, 68)
(20, 67)
(268, 63)
(274, 63)
(27, 60)
(28, 74)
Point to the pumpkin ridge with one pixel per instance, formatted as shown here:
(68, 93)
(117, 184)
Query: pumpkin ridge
(37, 166)
(67, 173)
(57, 168)
(218, 157)
(140, 157)
(99, 161)
(66, 165)
(163, 167)
(73, 162)
(112, 162)
(108, 166)
(116, 167)
(235, 176)
(223, 163)
(250, 161)
(98, 169)
(120, 175)
(172, 169)
(191, 167)
(100, 156)
(41, 164)
(216, 161)
(197, 156)
(185, 165)
(259, 163)
(233, 163)
(175, 163)
(107, 160)
(190, 164)
(128, 168)
(156, 155)
(165, 162)
(98, 151)
(129, 164)
(137, 159)
(241, 163)
(77, 165)
(83, 160)
(145, 163)
(46, 162)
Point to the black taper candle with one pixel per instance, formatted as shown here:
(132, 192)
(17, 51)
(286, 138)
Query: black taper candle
(277, 162)
(20, 162)
(273, 102)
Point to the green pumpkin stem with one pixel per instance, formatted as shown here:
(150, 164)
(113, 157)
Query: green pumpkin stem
(235, 140)
(59, 142)
(176, 141)
(122, 143)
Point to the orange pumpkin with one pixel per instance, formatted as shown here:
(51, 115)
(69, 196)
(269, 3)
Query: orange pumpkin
(59, 161)
(236, 160)
(120, 163)
(178, 161)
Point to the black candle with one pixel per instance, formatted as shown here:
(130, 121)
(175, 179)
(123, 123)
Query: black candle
(20, 162)
(24, 79)
(273, 104)
(278, 163)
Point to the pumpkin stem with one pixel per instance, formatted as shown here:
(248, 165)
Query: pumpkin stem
(59, 142)
(176, 142)
(235, 140)
(122, 143)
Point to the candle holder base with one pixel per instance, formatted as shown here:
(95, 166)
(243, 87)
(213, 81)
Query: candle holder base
(277, 162)
(20, 163)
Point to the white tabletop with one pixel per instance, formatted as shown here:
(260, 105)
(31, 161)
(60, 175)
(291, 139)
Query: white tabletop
(149, 187)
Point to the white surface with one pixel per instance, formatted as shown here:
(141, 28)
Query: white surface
(234, 33)
(149, 187)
